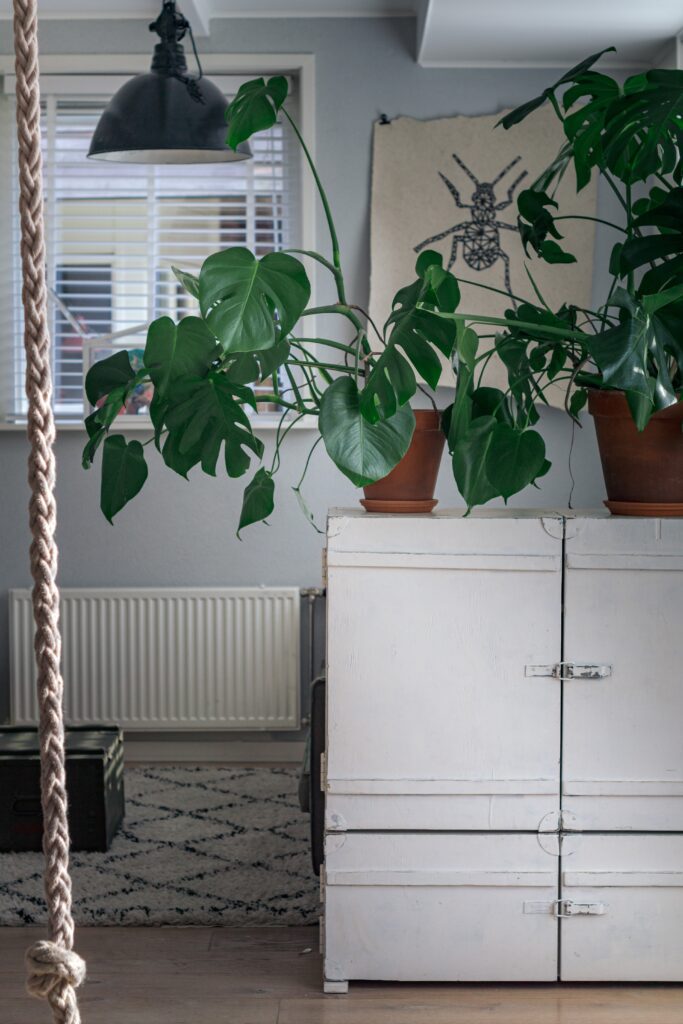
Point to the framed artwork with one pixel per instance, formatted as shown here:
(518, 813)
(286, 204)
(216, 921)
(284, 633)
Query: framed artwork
(137, 405)
(451, 185)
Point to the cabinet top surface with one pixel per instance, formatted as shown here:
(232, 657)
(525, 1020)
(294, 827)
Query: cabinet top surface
(477, 513)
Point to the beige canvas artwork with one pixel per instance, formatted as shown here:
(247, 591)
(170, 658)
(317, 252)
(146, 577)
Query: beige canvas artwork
(451, 185)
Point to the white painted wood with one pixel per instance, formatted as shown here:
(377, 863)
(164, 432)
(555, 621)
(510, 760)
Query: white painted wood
(437, 626)
(431, 718)
(639, 937)
(623, 742)
(439, 907)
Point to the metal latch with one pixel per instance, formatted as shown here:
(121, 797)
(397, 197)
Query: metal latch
(569, 670)
(568, 908)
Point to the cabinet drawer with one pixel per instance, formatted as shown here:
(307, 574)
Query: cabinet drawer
(439, 907)
(636, 884)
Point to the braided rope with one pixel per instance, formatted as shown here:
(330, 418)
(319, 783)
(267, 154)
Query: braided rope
(54, 970)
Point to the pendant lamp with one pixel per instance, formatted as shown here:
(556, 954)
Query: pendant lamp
(166, 116)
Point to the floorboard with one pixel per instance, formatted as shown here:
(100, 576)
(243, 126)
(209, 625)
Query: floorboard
(272, 976)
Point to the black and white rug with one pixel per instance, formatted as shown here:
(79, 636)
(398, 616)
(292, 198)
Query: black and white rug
(199, 846)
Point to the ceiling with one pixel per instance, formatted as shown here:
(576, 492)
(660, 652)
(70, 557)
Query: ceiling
(451, 33)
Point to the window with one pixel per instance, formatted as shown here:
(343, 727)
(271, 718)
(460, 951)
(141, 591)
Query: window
(114, 231)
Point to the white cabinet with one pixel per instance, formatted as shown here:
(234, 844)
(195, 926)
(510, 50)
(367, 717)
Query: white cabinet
(623, 734)
(499, 685)
(434, 715)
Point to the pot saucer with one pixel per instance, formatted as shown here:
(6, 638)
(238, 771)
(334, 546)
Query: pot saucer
(645, 508)
(399, 507)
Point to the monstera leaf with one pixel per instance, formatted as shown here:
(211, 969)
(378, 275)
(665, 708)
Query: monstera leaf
(363, 451)
(254, 108)
(536, 223)
(420, 335)
(258, 502)
(124, 472)
(592, 95)
(644, 127)
(633, 356)
(667, 216)
(204, 413)
(250, 304)
(174, 352)
(108, 374)
(523, 111)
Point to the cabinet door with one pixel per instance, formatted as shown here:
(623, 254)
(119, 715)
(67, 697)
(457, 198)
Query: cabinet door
(439, 907)
(623, 741)
(625, 900)
(436, 718)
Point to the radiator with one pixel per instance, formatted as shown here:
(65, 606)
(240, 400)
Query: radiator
(168, 658)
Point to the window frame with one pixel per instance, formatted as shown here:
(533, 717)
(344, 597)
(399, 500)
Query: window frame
(110, 67)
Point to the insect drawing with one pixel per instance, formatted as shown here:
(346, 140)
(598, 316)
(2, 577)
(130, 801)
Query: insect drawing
(480, 235)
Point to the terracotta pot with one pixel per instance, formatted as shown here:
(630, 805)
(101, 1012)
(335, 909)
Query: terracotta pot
(410, 485)
(643, 470)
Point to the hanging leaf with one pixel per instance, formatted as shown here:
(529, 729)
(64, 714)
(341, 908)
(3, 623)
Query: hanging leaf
(252, 304)
(108, 374)
(363, 451)
(258, 502)
(469, 463)
(514, 459)
(176, 352)
(124, 472)
(203, 413)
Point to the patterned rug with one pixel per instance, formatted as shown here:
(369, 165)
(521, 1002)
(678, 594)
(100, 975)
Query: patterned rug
(202, 846)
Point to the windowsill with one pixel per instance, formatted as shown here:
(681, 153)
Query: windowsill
(261, 423)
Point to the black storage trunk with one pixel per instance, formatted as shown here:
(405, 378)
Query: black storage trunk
(94, 782)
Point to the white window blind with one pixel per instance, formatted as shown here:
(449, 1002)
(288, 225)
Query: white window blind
(113, 232)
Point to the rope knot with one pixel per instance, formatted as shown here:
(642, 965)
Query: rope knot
(49, 965)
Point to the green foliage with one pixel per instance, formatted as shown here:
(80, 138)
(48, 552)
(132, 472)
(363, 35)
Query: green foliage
(259, 499)
(251, 304)
(254, 108)
(421, 336)
(124, 472)
(112, 372)
(363, 451)
(204, 368)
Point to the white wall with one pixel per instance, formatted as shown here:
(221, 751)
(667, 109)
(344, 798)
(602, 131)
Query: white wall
(179, 533)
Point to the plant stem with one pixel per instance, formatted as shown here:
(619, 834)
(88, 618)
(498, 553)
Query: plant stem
(339, 277)
(369, 320)
(596, 220)
(308, 459)
(504, 322)
(279, 438)
(301, 343)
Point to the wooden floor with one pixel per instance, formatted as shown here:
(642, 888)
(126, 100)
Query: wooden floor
(272, 976)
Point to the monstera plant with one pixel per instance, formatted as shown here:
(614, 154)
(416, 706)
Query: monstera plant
(626, 356)
(250, 314)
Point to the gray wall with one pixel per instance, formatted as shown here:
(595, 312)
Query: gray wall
(178, 533)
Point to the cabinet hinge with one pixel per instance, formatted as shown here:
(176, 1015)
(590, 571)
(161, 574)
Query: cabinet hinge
(568, 908)
(564, 670)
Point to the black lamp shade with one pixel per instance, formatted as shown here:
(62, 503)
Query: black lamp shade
(155, 119)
